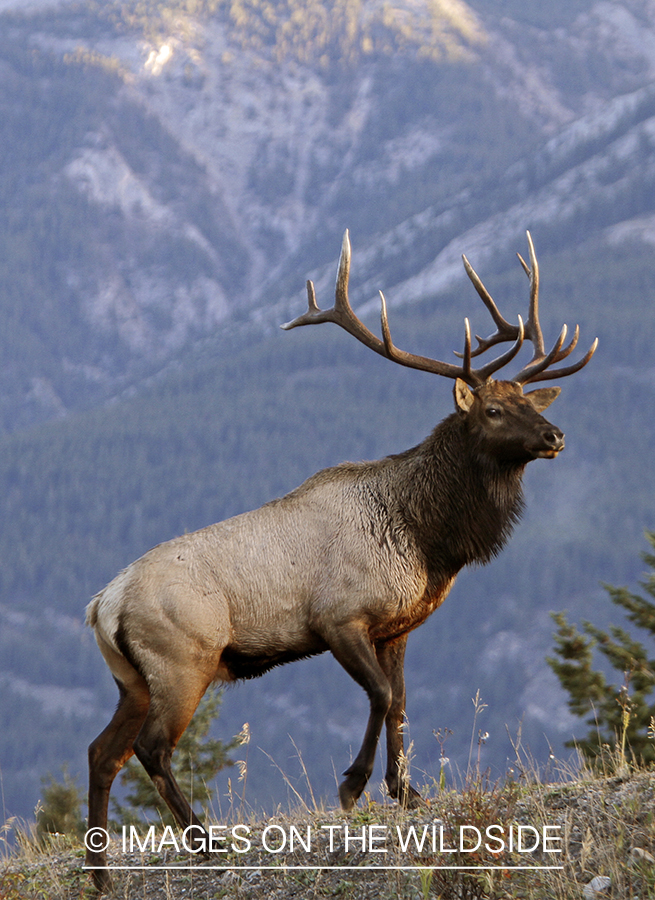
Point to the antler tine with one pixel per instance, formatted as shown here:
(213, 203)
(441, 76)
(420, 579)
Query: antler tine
(505, 331)
(543, 374)
(532, 327)
(467, 346)
(485, 372)
(538, 368)
(540, 364)
(341, 301)
(311, 303)
(342, 314)
(425, 363)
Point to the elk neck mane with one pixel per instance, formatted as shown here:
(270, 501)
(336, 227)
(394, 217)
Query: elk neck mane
(457, 504)
(460, 503)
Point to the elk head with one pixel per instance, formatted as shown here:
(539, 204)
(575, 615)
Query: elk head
(506, 423)
(497, 409)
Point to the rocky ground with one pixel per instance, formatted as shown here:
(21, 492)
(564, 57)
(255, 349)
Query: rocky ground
(603, 828)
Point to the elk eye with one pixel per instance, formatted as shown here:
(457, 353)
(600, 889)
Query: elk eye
(493, 412)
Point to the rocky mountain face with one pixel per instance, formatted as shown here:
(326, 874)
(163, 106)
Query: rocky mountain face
(205, 164)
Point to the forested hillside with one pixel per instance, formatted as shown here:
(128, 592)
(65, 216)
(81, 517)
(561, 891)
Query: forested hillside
(171, 174)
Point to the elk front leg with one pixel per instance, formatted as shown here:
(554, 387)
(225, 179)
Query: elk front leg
(352, 647)
(391, 658)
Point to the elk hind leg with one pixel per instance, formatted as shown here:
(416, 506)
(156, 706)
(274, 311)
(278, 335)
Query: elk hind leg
(171, 709)
(107, 755)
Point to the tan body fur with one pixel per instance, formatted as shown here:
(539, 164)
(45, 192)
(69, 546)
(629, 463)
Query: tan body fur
(266, 582)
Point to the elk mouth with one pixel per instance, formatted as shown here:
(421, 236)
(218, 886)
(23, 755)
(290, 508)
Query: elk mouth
(549, 446)
(548, 454)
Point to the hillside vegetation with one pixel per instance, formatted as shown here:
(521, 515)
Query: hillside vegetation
(593, 835)
(312, 32)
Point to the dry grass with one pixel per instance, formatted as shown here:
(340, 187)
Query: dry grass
(606, 823)
(601, 821)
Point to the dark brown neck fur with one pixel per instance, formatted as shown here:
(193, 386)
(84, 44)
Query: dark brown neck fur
(459, 502)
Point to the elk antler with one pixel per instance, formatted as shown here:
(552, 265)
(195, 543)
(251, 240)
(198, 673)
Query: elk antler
(538, 367)
(343, 315)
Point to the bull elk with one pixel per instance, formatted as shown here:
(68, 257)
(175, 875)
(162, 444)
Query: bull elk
(351, 561)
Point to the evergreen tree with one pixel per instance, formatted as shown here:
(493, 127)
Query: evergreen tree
(196, 762)
(622, 716)
(59, 812)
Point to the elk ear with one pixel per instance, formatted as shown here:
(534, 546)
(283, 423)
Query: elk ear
(543, 397)
(463, 395)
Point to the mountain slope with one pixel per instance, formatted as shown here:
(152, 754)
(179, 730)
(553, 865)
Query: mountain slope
(166, 174)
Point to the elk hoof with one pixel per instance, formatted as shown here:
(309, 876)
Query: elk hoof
(410, 798)
(102, 881)
(350, 790)
(407, 796)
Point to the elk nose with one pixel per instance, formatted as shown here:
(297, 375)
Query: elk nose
(554, 438)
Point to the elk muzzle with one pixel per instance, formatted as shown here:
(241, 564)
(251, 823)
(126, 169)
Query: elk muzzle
(549, 443)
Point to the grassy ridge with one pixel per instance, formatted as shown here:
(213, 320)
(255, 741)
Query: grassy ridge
(601, 826)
